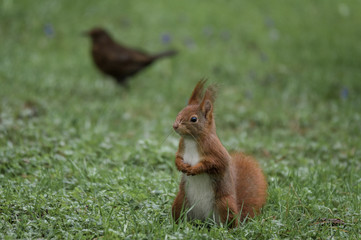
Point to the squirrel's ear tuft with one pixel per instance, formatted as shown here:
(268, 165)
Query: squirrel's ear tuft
(211, 93)
(196, 96)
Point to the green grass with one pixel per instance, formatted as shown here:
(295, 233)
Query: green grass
(83, 158)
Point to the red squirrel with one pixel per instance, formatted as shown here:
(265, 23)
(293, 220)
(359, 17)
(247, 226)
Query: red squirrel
(215, 184)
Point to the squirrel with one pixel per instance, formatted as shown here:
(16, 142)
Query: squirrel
(215, 184)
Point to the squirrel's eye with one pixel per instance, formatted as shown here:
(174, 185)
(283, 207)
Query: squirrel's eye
(193, 119)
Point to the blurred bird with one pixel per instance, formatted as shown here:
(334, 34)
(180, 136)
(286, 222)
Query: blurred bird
(119, 61)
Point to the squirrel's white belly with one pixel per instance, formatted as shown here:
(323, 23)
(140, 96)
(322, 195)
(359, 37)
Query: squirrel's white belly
(191, 154)
(198, 188)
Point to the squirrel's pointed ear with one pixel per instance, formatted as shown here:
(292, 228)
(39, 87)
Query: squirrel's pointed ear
(208, 100)
(196, 96)
(207, 108)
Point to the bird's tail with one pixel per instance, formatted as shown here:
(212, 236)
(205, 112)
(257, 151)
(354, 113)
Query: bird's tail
(164, 54)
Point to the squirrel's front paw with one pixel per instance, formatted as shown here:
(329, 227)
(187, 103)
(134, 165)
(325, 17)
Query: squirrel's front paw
(185, 168)
(190, 171)
(182, 167)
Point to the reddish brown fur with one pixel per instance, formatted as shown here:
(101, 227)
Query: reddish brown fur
(196, 96)
(238, 182)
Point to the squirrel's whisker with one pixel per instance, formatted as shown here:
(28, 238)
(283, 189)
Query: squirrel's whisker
(170, 132)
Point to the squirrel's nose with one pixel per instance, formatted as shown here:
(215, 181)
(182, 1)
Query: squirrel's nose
(175, 125)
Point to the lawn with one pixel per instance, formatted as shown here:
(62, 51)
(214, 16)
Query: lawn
(83, 158)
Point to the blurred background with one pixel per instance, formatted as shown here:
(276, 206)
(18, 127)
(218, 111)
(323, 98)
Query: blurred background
(288, 74)
(294, 59)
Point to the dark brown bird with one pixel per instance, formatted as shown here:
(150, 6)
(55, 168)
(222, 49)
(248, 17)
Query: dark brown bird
(119, 61)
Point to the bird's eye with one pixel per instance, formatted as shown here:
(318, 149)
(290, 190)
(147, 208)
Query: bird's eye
(193, 119)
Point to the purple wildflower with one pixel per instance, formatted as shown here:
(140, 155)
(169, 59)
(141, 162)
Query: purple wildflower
(166, 38)
(49, 30)
(344, 93)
